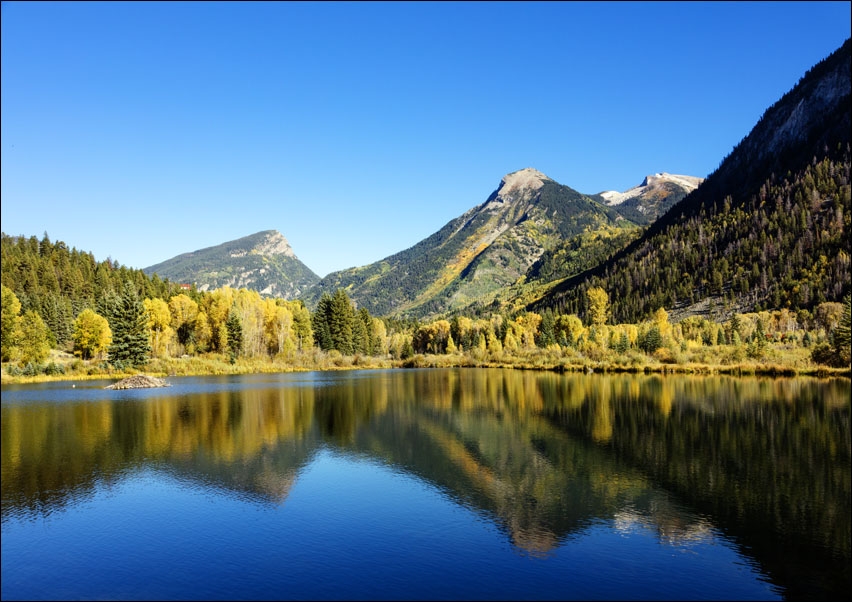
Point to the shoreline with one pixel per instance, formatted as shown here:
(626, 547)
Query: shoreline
(219, 367)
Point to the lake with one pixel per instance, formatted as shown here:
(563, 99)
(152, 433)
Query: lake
(428, 484)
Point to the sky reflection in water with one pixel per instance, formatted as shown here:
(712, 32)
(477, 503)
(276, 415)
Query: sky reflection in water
(427, 484)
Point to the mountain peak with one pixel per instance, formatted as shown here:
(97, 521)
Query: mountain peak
(651, 183)
(274, 244)
(263, 261)
(527, 179)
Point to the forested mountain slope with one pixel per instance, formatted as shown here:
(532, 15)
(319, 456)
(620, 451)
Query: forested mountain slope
(486, 249)
(59, 282)
(770, 228)
(264, 262)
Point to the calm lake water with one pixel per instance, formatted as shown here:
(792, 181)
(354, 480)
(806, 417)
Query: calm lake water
(428, 484)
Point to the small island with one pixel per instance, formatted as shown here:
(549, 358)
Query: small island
(139, 381)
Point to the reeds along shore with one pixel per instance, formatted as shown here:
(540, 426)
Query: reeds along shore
(780, 362)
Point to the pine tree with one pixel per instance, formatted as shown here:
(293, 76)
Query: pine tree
(129, 326)
(842, 334)
(319, 322)
(652, 340)
(547, 329)
(340, 322)
(235, 335)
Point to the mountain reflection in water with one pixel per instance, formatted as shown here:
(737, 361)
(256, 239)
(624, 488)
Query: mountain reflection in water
(765, 462)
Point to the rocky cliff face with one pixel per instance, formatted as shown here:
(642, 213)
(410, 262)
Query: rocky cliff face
(264, 262)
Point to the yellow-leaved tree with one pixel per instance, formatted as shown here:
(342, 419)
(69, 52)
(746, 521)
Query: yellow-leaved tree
(598, 309)
(92, 335)
(159, 323)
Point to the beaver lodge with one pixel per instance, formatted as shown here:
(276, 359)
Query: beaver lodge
(139, 381)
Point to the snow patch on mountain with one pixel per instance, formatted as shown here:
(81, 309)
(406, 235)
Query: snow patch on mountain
(688, 183)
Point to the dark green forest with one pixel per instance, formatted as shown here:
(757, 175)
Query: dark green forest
(788, 247)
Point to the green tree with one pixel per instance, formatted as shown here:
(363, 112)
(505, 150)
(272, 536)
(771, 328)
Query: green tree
(130, 333)
(319, 322)
(340, 323)
(651, 340)
(235, 335)
(623, 343)
(547, 329)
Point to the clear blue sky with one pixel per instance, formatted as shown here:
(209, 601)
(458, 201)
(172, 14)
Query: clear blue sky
(139, 131)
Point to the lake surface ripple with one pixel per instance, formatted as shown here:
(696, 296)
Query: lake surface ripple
(428, 484)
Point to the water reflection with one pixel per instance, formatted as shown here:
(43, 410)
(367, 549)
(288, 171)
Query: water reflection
(764, 461)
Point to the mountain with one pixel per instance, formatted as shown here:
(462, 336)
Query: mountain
(487, 248)
(264, 262)
(653, 197)
(770, 228)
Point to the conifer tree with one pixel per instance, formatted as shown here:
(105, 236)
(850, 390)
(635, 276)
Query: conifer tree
(843, 334)
(319, 322)
(340, 322)
(547, 329)
(129, 326)
(235, 335)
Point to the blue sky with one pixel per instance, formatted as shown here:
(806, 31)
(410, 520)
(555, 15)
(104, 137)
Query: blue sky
(139, 131)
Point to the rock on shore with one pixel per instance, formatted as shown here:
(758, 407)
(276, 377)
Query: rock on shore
(139, 381)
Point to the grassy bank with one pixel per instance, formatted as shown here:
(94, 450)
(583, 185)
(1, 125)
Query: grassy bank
(776, 361)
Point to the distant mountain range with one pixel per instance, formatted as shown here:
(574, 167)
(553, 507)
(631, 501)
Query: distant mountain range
(264, 262)
(487, 248)
(749, 237)
(654, 196)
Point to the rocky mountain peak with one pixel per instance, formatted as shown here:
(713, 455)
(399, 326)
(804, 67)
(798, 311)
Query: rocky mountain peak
(522, 181)
(651, 183)
(274, 244)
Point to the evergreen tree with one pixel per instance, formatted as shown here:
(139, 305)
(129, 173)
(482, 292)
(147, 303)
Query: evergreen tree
(319, 322)
(340, 322)
(363, 332)
(651, 341)
(235, 335)
(842, 334)
(623, 343)
(130, 333)
(56, 313)
(547, 329)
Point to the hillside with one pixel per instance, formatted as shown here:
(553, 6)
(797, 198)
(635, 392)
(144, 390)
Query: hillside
(485, 250)
(770, 228)
(264, 262)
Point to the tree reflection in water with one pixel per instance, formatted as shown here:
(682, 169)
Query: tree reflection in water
(764, 461)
